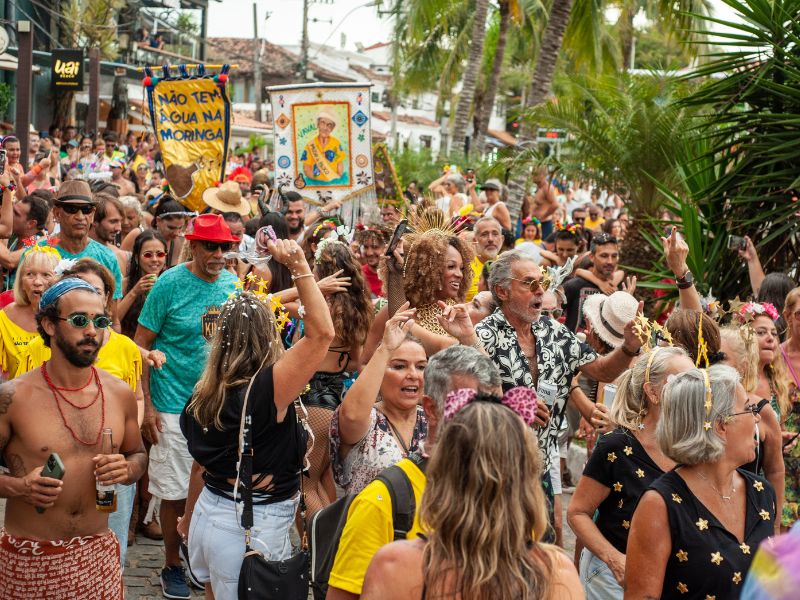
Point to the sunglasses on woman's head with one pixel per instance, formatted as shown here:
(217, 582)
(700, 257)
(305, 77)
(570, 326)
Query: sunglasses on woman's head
(151, 254)
(72, 209)
(214, 246)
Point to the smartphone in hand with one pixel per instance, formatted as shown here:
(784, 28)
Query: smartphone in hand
(398, 233)
(54, 469)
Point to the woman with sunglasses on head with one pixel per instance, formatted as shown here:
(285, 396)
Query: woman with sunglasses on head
(696, 529)
(118, 355)
(621, 467)
(740, 350)
(484, 520)
(18, 320)
(247, 357)
(148, 261)
(170, 222)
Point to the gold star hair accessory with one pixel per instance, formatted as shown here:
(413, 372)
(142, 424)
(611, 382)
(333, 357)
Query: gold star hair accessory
(702, 345)
(662, 333)
(708, 404)
(650, 358)
(643, 330)
(258, 287)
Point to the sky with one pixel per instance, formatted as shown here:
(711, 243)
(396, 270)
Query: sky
(357, 20)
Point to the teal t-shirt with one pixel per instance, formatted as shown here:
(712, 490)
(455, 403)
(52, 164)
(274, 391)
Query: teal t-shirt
(182, 309)
(105, 256)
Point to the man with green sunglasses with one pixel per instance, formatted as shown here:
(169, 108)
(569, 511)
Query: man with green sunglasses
(52, 420)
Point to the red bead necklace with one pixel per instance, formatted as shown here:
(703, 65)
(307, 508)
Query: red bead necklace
(57, 395)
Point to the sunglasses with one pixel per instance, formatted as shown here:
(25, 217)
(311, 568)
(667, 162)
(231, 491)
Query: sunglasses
(81, 321)
(72, 209)
(554, 313)
(533, 283)
(214, 246)
(753, 409)
(151, 254)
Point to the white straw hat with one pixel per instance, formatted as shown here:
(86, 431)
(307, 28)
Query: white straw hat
(608, 315)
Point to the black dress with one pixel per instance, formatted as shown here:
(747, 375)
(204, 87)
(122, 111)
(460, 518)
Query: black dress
(706, 560)
(620, 463)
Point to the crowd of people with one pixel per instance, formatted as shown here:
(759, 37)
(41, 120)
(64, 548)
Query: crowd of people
(470, 353)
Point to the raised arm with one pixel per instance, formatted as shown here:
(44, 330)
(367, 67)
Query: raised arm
(754, 268)
(675, 252)
(355, 410)
(7, 207)
(295, 368)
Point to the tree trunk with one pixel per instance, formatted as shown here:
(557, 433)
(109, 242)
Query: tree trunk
(470, 77)
(540, 86)
(626, 37)
(483, 110)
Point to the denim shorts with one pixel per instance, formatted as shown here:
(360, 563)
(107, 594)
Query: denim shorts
(597, 579)
(216, 539)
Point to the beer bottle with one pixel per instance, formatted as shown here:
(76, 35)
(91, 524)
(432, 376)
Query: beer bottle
(106, 495)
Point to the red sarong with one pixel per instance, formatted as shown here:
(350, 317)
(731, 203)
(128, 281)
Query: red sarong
(81, 568)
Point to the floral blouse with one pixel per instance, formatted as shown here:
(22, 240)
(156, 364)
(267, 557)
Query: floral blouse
(376, 451)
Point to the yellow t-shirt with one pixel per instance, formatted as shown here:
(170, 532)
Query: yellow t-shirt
(477, 269)
(324, 160)
(592, 225)
(13, 341)
(119, 357)
(369, 526)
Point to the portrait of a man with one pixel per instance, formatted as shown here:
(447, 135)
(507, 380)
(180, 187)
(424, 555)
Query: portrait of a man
(322, 144)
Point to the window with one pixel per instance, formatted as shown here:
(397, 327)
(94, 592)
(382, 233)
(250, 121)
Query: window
(376, 97)
(425, 141)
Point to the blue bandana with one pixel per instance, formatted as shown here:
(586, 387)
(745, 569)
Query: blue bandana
(58, 289)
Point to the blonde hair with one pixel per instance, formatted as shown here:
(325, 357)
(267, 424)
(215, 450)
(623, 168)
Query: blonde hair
(33, 259)
(630, 402)
(777, 374)
(746, 358)
(481, 493)
(245, 340)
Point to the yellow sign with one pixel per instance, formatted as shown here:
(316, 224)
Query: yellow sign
(191, 119)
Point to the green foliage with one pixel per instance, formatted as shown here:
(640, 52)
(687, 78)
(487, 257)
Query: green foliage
(254, 143)
(659, 49)
(6, 96)
(91, 23)
(421, 166)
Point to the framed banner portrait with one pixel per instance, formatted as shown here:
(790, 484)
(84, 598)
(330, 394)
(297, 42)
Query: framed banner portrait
(322, 143)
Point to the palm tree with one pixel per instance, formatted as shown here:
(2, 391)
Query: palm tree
(470, 78)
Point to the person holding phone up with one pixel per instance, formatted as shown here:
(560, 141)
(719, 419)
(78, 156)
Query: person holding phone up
(61, 409)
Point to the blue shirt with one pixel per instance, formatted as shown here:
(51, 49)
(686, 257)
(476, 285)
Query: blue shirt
(182, 310)
(97, 251)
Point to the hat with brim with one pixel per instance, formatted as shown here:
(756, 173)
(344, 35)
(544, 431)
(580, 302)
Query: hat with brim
(608, 315)
(491, 184)
(209, 228)
(227, 198)
(75, 192)
(324, 114)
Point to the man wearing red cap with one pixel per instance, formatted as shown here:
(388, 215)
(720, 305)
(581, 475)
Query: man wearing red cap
(178, 318)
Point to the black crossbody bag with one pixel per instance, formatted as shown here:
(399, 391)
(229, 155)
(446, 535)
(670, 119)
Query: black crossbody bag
(259, 578)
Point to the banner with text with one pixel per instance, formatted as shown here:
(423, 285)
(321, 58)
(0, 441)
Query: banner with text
(323, 145)
(191, 117)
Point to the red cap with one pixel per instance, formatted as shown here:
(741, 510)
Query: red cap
(209, 228)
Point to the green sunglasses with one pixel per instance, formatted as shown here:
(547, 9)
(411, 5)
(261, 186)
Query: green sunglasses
(81, 321)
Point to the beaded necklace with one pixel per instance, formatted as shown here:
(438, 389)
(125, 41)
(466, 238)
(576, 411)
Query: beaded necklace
(57, 395)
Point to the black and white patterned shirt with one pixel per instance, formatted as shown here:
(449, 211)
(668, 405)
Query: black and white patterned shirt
(559, 355)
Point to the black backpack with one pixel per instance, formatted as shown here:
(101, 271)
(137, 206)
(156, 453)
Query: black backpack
(328, 523)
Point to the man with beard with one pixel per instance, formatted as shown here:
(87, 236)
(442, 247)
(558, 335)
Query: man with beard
(74, 210)
(179, 318)
(540, 353)
(107, 227)
(295, 216)
(55, 544)
(604, 254)
(372, 244)
(488, 236)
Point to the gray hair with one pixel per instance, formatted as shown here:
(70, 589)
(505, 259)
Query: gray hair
(458, 360)
(458, 181)
(500, 273)
(681, 433)
(488, 220)
(631, 403)
(132, 202)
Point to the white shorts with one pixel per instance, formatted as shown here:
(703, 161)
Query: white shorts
(170, 462)
(555, 471)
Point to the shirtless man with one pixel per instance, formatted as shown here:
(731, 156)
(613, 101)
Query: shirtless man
(545, 201)
(62, 408)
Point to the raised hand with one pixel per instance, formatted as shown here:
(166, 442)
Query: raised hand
(397, 327)
(675, 252)
(455, 321)
(334, 283)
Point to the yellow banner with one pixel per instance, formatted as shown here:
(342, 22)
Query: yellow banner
(191, 118)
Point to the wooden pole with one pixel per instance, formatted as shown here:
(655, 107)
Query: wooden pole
(24, 92)
(93, 114)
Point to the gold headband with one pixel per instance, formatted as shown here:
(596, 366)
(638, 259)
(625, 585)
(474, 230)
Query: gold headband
(650, 363)
(708, 404)
(702, 345)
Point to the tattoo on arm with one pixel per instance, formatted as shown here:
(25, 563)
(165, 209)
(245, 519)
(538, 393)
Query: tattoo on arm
(6, 397)
(15, 465)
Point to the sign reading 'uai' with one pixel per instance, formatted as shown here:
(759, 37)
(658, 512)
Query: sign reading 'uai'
(66, 71)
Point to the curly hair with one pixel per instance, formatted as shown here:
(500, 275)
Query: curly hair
(352, 310)
(426, 263)
(485, 461)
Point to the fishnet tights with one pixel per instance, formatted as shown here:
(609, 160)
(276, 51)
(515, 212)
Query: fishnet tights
(320, 490)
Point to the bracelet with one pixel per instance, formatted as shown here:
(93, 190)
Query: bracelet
(628, 352)
(296, 277)
(10, 187)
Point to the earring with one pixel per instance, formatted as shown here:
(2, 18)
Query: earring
(641, 416)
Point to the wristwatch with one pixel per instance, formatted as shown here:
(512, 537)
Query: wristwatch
(685, 281)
